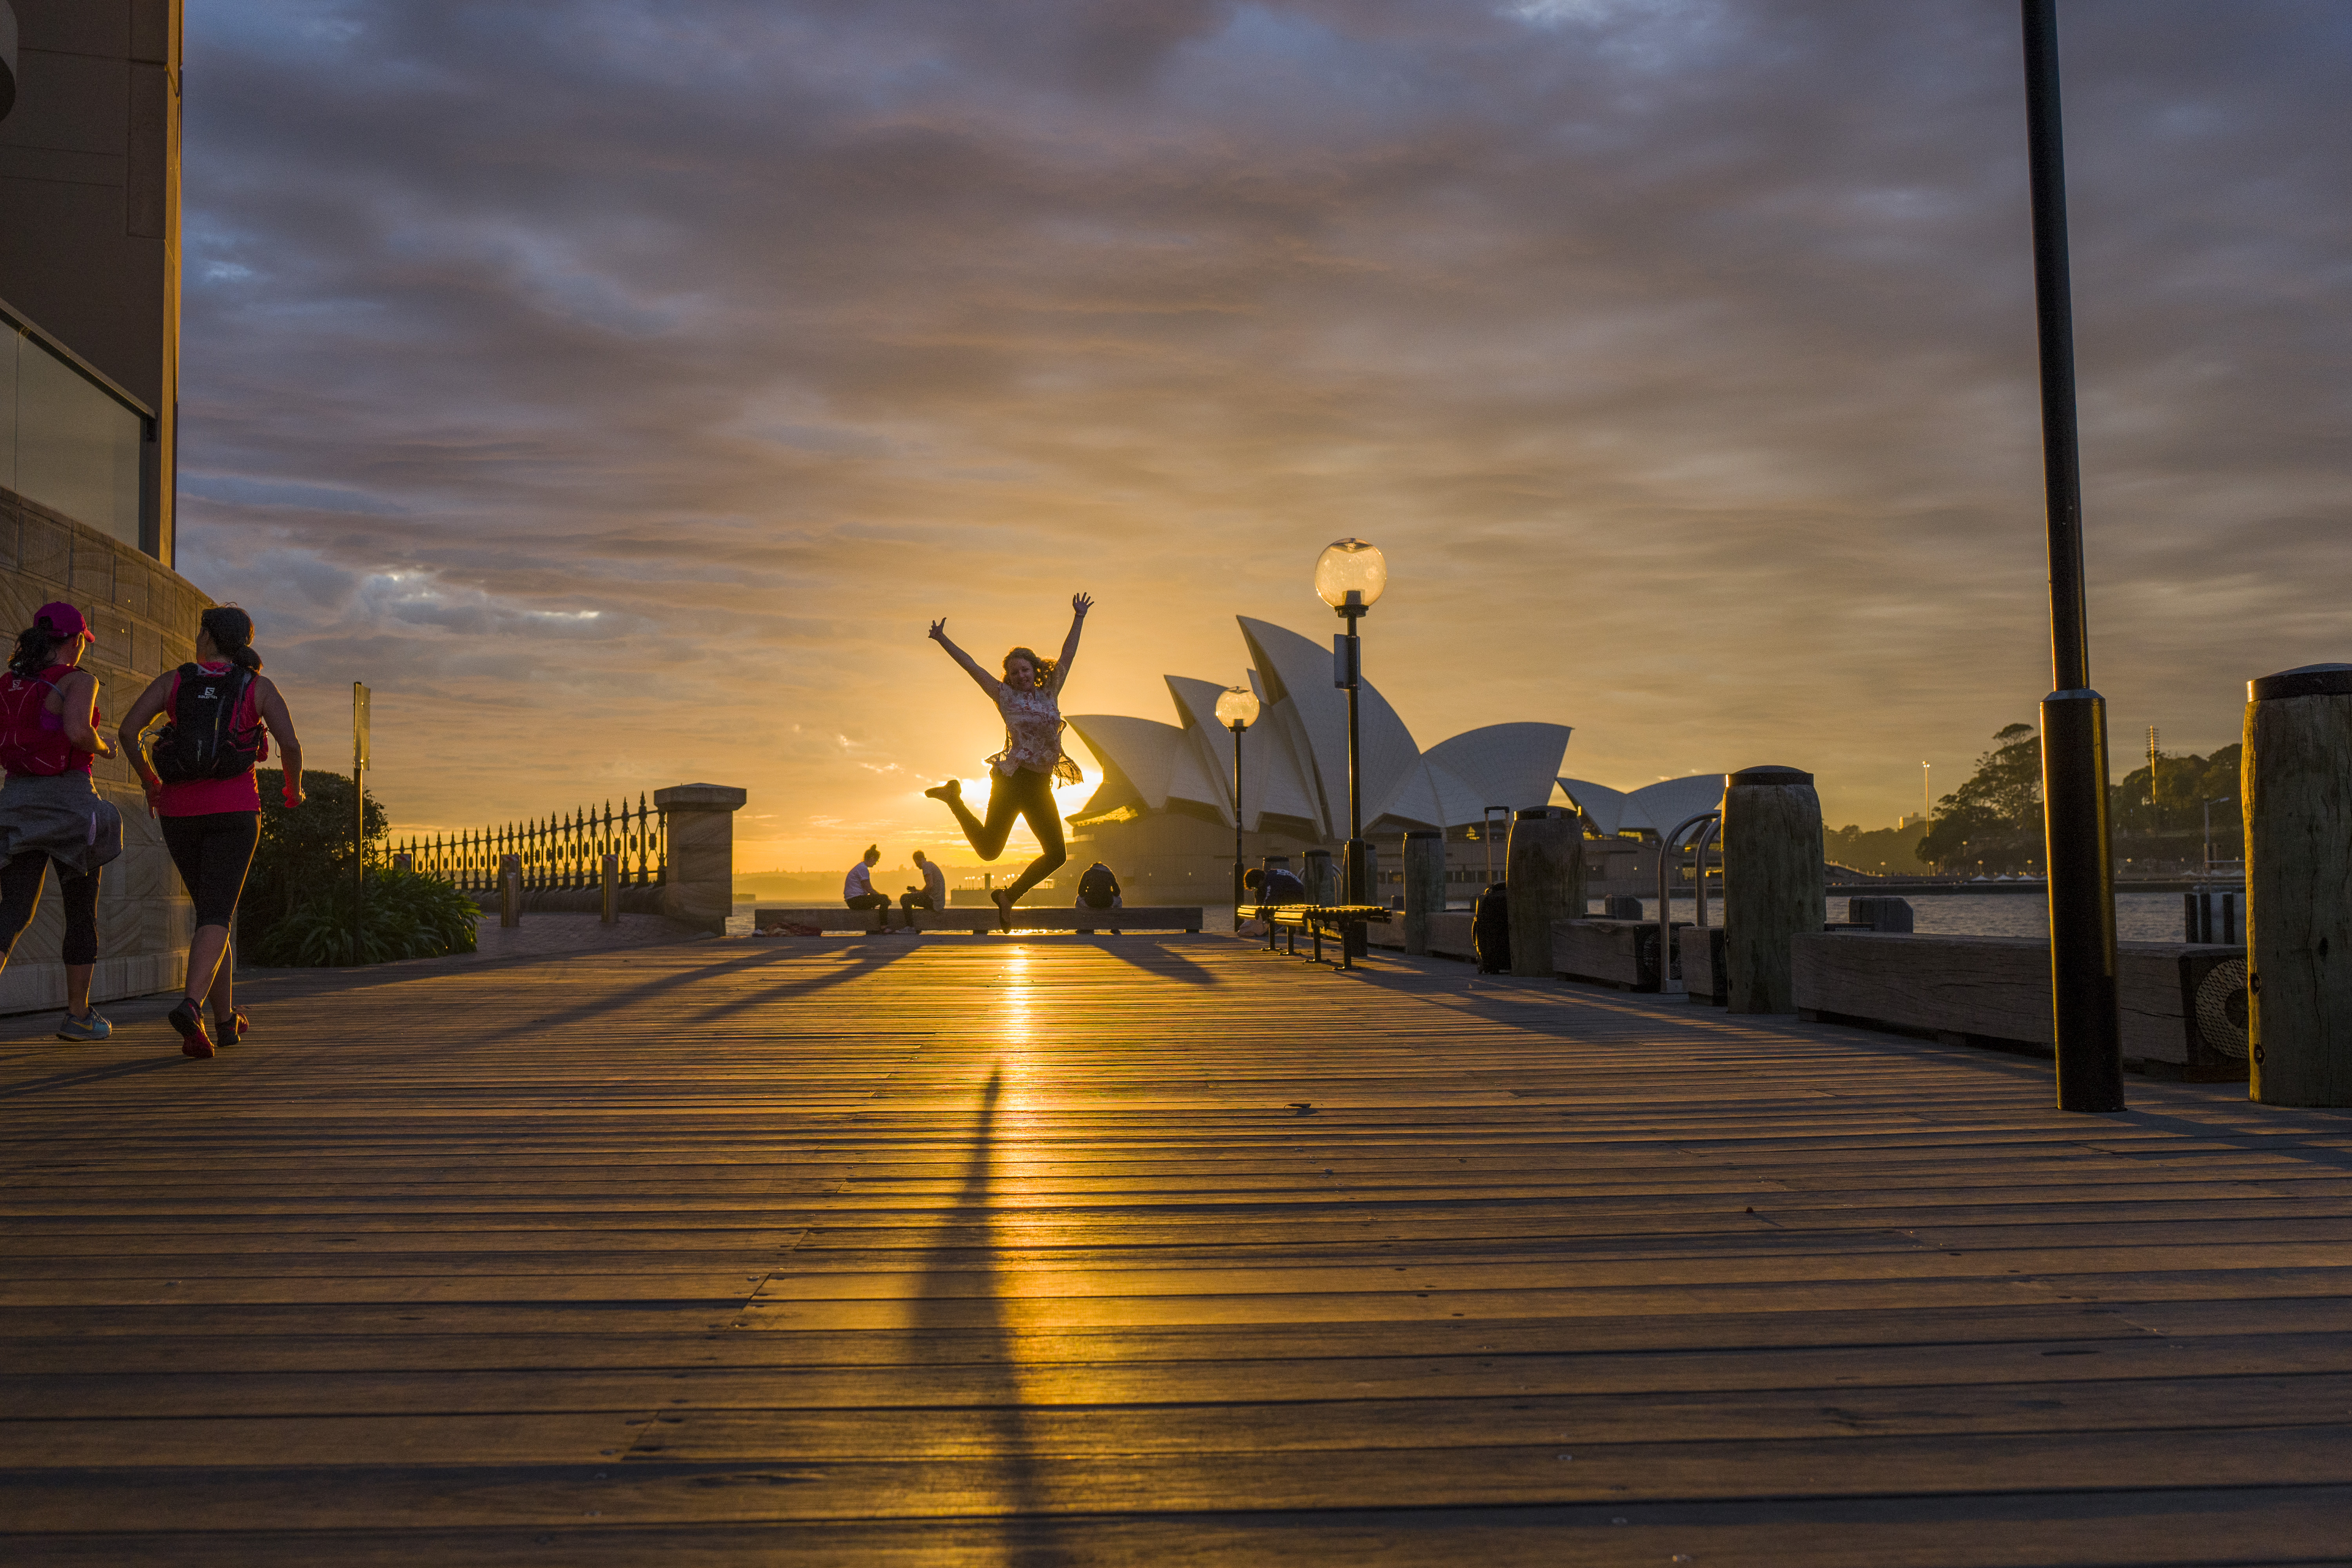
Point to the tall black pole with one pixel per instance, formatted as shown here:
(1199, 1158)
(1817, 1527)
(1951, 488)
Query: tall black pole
(1238, 890)
(1354, 892)
(2074, 717)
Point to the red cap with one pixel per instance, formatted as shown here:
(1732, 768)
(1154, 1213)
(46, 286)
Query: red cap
(60, 619)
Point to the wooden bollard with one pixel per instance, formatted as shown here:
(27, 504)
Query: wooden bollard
(1543, 882)
(509, 890)
(1322, 878)
(1772, 891)
(1424, 886)
(2296, 784)
(608, 879)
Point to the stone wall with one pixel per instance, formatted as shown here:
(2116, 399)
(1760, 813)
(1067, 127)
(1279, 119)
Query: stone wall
(144, 617)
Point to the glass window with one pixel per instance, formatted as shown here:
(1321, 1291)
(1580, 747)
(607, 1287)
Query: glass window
(77, 449)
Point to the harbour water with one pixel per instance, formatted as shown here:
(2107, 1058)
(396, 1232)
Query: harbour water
(2139, 916)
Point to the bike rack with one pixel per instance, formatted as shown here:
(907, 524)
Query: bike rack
(1670, 848)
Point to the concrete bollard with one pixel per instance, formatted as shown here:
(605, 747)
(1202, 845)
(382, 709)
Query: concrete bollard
(509, 890)
(1424, 886)
(698, 823)
(2296, 784)
(1773, 884)
(1543, 883)
(609, 879)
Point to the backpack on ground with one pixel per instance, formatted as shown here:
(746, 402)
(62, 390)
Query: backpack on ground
(202, 741)
(1490, 929)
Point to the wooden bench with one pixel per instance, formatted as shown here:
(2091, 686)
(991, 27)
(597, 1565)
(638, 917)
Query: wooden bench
(1341, 922)
(1025, 916)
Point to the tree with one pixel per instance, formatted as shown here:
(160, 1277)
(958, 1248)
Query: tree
(304, 851)
(2182, 787)
(1994, 820)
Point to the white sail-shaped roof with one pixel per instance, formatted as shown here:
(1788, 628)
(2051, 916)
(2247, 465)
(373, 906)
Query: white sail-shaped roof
(1506, 765)
(1295, 758)
(1299, 671)
(1605, 806)
(1652, 808)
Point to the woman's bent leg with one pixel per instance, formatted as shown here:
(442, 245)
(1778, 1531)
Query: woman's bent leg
(20, 896)
(1003, 809)
(1037, 804)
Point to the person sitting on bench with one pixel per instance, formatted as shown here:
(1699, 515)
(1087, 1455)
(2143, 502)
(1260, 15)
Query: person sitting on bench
(1281, 886)
(857, 888)
(932, 895)
(1099, 889)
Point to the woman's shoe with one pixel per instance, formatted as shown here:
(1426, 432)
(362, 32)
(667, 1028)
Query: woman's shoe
(88, 1026)
(951, 790)
(1004, 902)
(190, 1021)
(232, 1028)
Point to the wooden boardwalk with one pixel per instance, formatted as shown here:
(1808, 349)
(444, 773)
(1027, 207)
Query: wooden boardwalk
(1142, 1250)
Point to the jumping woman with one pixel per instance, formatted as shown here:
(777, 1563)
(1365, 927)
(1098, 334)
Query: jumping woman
(200, 782)
(50, 814)
(1022, 776)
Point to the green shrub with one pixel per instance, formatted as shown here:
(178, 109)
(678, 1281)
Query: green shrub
(406, 915)
(302, 852)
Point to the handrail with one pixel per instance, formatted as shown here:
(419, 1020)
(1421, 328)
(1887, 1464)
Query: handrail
(1669, 983)
(563, 851)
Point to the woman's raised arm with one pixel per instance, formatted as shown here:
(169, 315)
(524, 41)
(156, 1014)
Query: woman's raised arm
(987, 682)
(1079, 604)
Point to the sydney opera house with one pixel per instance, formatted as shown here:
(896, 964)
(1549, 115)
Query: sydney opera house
(1163, 814)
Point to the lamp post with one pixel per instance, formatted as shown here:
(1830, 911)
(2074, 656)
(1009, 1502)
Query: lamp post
(1350, 577)
(1237, 710)
(2085, 1024)
(2210, 804)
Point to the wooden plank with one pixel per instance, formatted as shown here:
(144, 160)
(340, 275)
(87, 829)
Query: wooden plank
(908, 1230)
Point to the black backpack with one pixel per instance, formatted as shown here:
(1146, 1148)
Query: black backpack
(1490, 929)
(202, 741)
(1098, 888)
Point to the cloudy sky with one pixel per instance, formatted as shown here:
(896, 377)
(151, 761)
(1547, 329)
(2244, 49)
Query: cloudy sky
(619, 387)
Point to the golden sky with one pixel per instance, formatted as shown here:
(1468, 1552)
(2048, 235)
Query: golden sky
(620, 388)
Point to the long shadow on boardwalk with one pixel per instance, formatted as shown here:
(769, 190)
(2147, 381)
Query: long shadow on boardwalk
(1160, 958)
(956, 1309)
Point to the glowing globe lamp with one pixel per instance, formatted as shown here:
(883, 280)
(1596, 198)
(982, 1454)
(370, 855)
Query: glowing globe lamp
(1350, 574)
(1238, 708)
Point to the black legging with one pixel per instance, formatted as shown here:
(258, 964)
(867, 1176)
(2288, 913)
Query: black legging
(1021, 793)
(213, 853)
(20, 896)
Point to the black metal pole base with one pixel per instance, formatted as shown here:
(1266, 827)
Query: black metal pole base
(1359, 891)
(2082, 901)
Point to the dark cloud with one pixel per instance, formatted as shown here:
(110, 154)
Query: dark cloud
(617, 385)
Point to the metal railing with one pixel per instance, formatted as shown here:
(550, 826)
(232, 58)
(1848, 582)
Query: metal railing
(564, 851)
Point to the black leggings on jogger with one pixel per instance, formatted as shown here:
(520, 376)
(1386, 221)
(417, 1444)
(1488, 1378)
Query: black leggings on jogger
(1021, 795)
(20, 896)
(213, 853)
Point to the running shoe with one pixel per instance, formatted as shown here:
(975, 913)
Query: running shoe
(1004, 908)
(190, 1022)
(88, 1026)
(232, 1028)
